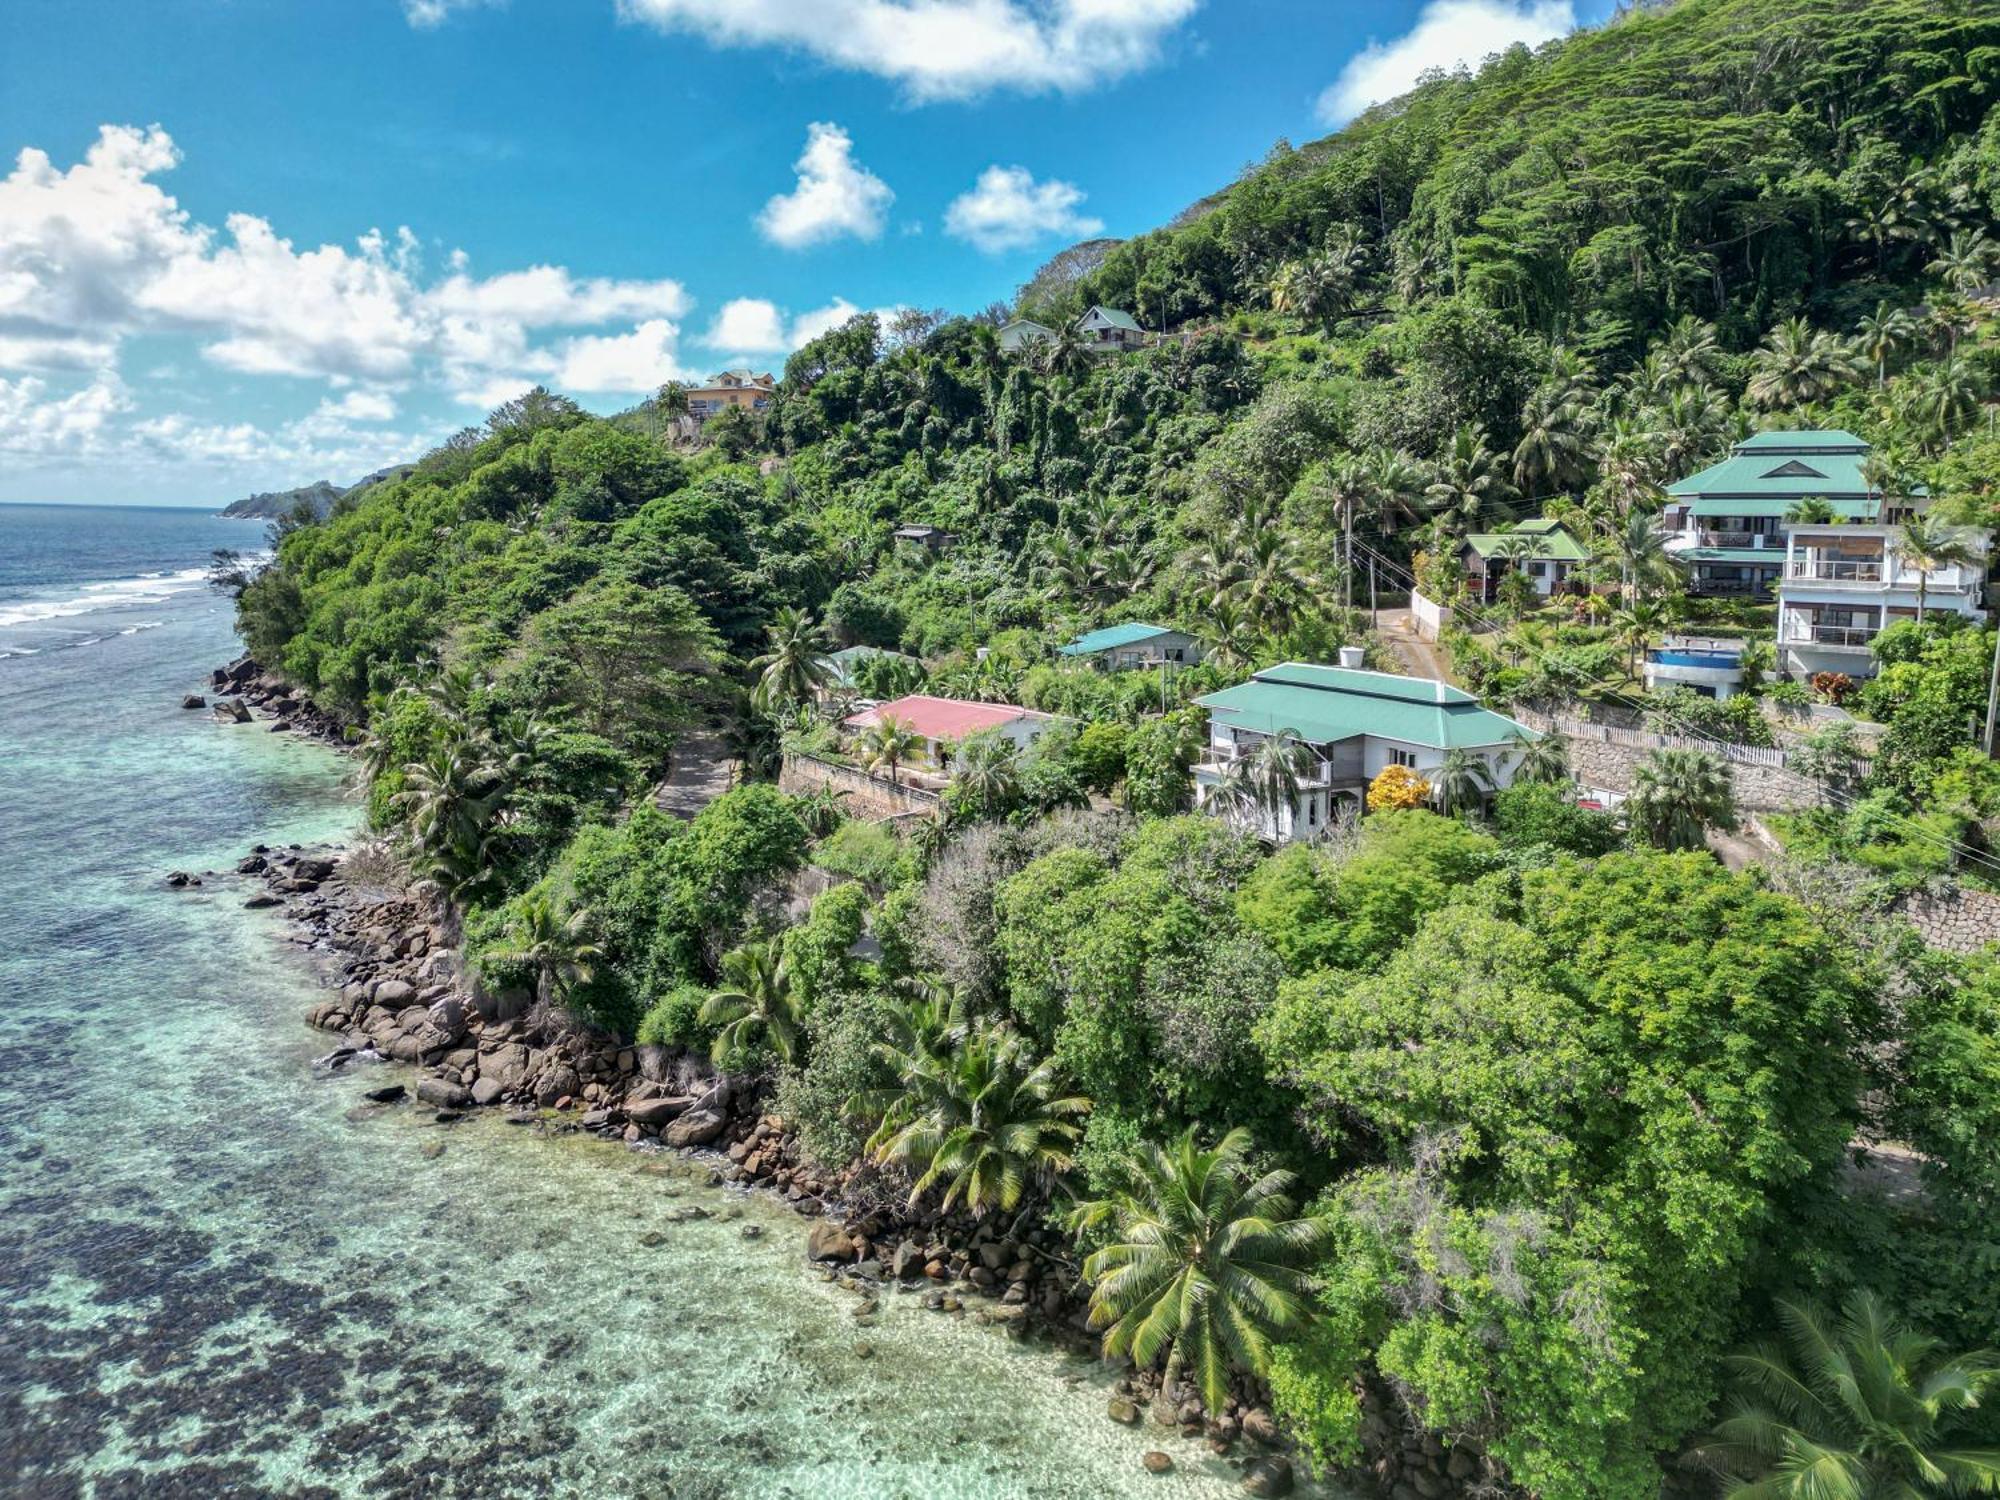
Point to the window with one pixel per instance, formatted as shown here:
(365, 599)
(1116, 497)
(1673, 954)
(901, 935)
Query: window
(1312, 811)
(1403, 758)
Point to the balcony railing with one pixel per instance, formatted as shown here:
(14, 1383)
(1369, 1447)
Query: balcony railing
(1855, 636)
(1832, 571)
(1707, 538)
(1219, 759)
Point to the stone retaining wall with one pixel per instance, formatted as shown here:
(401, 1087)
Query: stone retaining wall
(1958, 920)
(1758, 788)
(871, 797)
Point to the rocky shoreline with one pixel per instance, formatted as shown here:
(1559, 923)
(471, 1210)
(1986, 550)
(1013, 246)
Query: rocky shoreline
(402, 995)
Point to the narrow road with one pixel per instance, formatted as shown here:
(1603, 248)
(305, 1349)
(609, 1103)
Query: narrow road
(700, 772)
(1419, 656)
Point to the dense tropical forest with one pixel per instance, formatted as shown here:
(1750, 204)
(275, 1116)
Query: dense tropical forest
(1618, 1167)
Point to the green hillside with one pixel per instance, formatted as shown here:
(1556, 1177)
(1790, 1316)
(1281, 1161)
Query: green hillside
(1571, 1101)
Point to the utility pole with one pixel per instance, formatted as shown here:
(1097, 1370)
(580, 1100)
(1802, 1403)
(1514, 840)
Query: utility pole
(1993, 694)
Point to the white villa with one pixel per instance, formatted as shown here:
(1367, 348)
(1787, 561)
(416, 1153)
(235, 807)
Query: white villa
(1357, 724)
(1838, 582)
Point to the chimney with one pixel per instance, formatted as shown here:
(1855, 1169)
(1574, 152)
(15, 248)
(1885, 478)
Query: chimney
(1350, 657)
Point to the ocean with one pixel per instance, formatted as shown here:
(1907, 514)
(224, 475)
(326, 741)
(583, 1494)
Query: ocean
(223, 1273)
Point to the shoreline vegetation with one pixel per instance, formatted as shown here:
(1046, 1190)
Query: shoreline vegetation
(1488, 1140)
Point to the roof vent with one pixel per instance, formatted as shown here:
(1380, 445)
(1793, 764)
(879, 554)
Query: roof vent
(1351, 657)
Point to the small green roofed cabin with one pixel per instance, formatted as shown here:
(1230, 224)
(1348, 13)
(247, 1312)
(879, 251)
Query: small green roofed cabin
(1124, 648)
(1541, 549)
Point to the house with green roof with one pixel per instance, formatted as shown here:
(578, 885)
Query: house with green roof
(1542, 549)
(1356, 724)
(1840, 575)
(1107, 330)
(1022, 335)
(1124, 648)
(1726, 525)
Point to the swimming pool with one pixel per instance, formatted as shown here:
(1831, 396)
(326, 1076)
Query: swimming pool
(1722, 661)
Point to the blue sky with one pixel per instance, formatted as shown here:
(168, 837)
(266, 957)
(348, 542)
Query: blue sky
(246, 244)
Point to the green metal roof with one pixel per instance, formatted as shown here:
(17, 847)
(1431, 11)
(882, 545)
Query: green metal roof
(1557, 544)
(1854, 508)
(1802, 440)
(1778, 476)
(1325, 704)
(1110, 636)
(1115, 318)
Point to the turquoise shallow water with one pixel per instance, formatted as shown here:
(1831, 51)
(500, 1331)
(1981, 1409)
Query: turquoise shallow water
(221, 1273)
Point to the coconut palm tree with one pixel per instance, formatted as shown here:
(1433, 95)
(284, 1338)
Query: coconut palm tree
(1811, 510)
(1276, 765)
(1064, 352)
(986, 774)
(1942, 403)
(1461, 782)
(796, 666)
(1689, 353)
(1678, 795)
(979, 1117)
(1467, 490)
(1274, 578)
(1927, 544)
(1205, 1264)
(1544, 759)
(1881, 335)
(1555, 451)
(1641, 550)
(1858, 1408)
(755, 1004)
(889, 742)
(1397, 482)
(1635, 626)
(1233, 637)
(1965, 261)
(1685, 430)
(450, 797)
(1797, 365)
(552, 942)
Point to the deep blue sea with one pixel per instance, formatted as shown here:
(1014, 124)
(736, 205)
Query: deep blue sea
(222, 1274)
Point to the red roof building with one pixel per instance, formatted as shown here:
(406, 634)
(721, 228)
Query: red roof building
(945, 721)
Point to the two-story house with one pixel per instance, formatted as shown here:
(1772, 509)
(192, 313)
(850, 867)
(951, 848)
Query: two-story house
(730, 388)
(1356, 723)
(1844, 583)
(1726, 525)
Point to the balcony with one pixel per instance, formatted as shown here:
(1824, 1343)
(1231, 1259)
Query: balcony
(1217, 760)
(1759, 539)
(1834, 571)
(1842, 637)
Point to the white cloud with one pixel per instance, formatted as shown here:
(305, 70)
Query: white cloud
(808, 326)
(941, 49)
(1007, 210)
(1448, 34)
(754, 325)
(641, 360)
(427, 15)
(363, 406)
(835, 195)
(548, 295)
(747, 325)
(36, 424)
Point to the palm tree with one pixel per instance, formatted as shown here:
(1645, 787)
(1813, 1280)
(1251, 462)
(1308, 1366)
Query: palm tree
(1467, 490)
(756, 1003)
(1797, 365)
(1689, 353)
(1276, 765)
(1965, 261)
(1544, 759)
(1064, 352)
(1461, 782)
(1812, 510)
(450, 797)
(1678, 795)
(978, 1116)
(543, 937)
(1641, 549)
(796, 666)
(1233, 636)
(1864, 1408)
(1686, 429)
(986, 773)
(1555, 448)
(1274, 576)
(1927, 544)
(1635, 626)
(1205, 1264)
(1880, 335)
(1942, 404)
(889, 742)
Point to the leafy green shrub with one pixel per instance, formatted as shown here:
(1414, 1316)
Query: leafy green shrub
(1540, 814)
(873, 853)
(674, 1020)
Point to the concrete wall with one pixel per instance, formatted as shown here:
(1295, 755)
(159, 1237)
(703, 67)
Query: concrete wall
(1601, 756)
(870, 797)
(1430, 616)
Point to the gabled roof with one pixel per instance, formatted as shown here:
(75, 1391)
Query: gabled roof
(943, 718)
(1325, 704)
(1013, 323)
(1115, 317)
(1109, 636)
(1784, 465)
(1802, 440)
(1557, 544)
